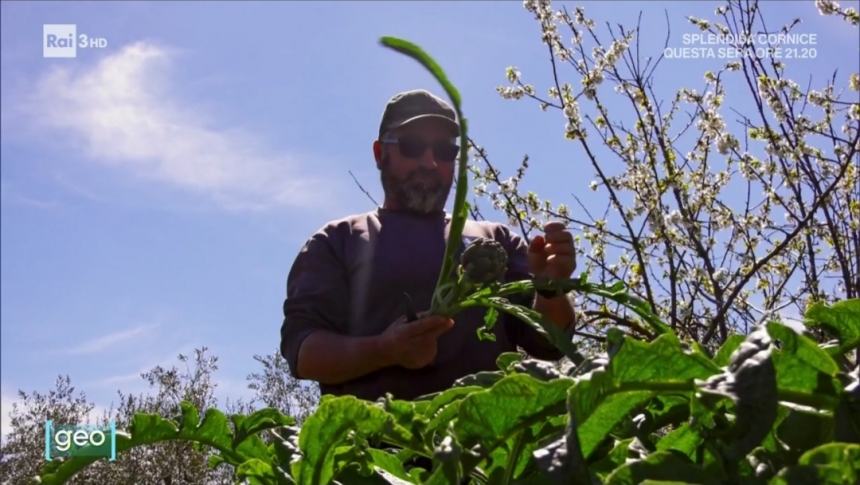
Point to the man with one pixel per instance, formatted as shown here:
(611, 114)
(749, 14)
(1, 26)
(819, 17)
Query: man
(344, 323)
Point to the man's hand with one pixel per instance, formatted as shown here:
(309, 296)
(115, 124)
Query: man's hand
(552, 255)
(413, 344)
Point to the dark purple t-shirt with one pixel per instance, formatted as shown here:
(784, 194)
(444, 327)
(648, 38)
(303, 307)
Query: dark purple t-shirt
(350, 277)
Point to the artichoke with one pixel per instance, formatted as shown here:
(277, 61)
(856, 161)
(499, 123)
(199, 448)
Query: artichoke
(484, 261)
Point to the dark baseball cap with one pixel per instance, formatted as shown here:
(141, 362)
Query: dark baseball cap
(409, 106)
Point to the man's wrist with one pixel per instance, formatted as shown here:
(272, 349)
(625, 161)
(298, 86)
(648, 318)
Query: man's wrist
(382, 351)
(549, 294)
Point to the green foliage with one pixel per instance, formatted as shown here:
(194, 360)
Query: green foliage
(780, 409)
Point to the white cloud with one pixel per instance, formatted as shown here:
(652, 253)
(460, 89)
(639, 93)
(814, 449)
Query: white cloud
(139, 383)
(8, 193)
(105, 342)
(126, 117)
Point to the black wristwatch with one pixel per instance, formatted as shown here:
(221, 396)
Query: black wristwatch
(549, 293)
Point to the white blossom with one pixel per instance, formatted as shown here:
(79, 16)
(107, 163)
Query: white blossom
(827, 7)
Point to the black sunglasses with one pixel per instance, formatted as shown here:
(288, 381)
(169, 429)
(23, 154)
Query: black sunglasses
(414, 147)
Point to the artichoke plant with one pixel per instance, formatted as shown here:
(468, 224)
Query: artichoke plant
(484, 261)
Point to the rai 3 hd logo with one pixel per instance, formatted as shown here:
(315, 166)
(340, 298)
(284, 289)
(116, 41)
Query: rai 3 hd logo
(63, 40)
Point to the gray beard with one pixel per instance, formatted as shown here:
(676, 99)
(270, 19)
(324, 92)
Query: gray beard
(421, 191)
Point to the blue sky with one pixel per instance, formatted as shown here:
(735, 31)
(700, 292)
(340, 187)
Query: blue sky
(156, 191)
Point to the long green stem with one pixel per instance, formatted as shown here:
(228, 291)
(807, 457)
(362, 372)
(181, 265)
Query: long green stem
(461, 210)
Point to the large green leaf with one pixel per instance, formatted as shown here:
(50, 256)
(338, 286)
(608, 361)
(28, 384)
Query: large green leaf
(489, 417)
(606, 416)
(445, 407)
(636, 371)
(842, 319)
(327, 428)
(662, 360)
(801, 365)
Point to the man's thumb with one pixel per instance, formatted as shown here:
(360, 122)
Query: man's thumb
(537, 244)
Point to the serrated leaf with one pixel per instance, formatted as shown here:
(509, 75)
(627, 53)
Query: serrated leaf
(662, 360)
(602, 401)
(327, 428)
(489, 417)
(800, 364)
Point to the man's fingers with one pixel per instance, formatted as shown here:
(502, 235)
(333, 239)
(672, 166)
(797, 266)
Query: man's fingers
(562, 237)
(446, 325)
(553, 226)
(429, 324)
(537, 244)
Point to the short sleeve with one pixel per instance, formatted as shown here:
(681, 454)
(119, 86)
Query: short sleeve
(521, 333)
(317, 297)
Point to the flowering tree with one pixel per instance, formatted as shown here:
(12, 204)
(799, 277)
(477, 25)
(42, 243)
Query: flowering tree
(708, 262)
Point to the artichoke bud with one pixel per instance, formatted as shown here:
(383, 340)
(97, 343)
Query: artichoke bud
(484, 261)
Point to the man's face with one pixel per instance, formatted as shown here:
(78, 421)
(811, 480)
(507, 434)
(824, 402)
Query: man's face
(420, 184)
